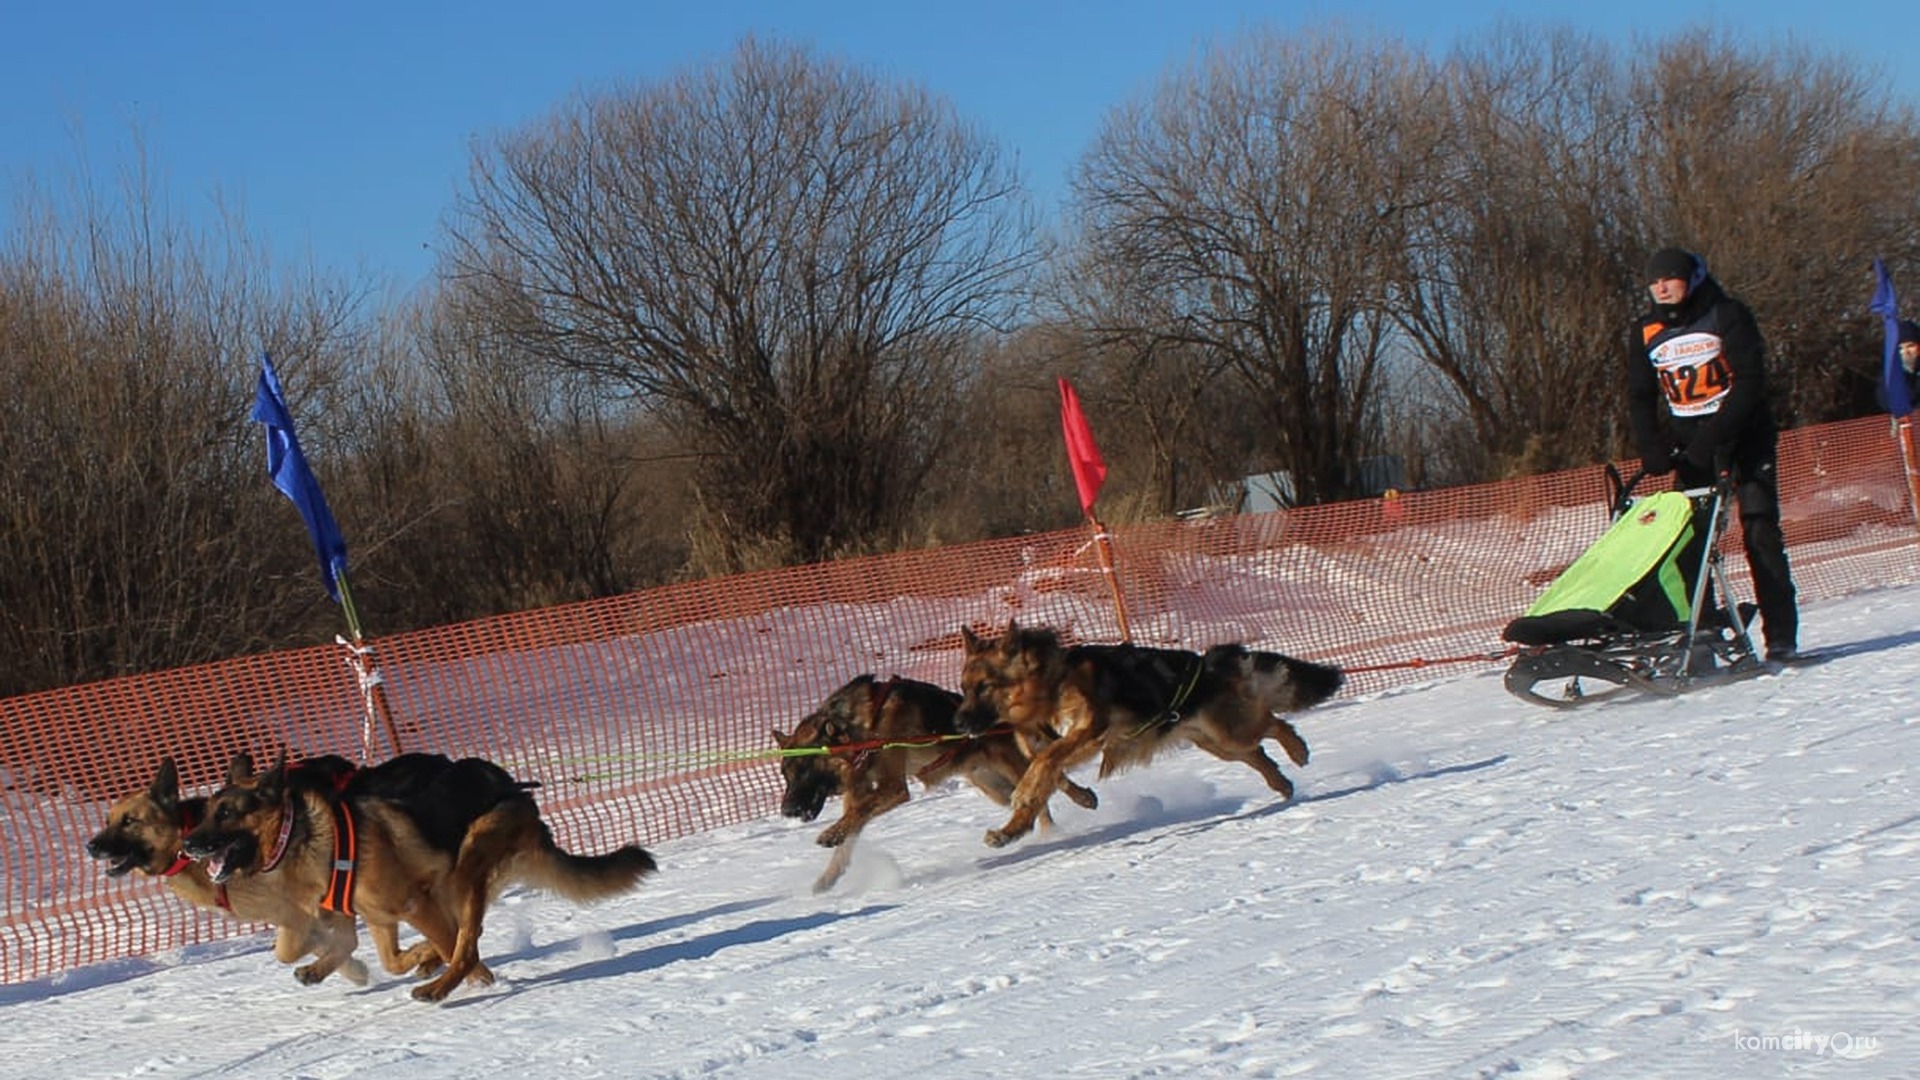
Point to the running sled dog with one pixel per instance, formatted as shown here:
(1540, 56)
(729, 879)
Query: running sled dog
(1127, 703)
(420, 839)
(144, 831)
(868, 737)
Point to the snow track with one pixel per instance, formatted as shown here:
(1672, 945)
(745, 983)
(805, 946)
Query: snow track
(1721, 884)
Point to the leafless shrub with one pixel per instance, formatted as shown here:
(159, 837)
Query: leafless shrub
(139, 526)
(786, 259)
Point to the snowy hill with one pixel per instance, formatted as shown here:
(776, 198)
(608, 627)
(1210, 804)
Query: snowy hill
(1468, 885)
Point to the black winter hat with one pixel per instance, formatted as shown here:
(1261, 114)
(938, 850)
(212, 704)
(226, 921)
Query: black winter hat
(1909, 331)
(1672, 262)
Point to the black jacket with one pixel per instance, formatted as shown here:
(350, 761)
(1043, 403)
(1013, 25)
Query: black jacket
(1697, 382)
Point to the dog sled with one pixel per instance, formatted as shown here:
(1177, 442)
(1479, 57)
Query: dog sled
(1634, 613)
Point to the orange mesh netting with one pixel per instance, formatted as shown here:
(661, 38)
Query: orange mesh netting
(646, 716)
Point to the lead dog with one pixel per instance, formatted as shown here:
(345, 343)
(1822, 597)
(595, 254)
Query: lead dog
(144, 831)
(434, 843)
(1127, 703)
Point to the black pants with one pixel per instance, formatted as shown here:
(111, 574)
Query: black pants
(1757, 491)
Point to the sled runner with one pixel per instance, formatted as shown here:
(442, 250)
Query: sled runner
(1632, 612)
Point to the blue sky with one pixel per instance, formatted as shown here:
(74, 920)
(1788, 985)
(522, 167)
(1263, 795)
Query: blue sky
(341, 131)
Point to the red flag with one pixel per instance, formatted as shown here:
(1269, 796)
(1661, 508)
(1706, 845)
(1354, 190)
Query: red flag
(1089, 471)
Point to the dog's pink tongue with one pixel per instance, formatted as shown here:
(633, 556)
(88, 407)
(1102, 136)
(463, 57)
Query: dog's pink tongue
(217, 866)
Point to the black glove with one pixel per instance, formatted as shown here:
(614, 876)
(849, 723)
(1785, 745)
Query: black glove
(1702, 454)
(1660, 462)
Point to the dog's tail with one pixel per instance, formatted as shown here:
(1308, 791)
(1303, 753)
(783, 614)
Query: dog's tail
(1307, 684)
(583, 879)
(1286, 684)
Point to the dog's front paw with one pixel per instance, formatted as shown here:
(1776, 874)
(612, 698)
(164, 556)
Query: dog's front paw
(997, 839)
(1083, 797)
(311, 974)
(422, 961)
(1292, 743)
(832, 837)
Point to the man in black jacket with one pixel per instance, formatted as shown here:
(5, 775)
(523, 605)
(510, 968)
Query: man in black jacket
(1697, 397)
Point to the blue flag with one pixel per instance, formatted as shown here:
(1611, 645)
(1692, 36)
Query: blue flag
(288, 467)
(1893, 376)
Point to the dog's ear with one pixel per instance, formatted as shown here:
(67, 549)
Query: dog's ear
(1013, 640)
(240, 768)
(272, 782)
(969, 639)
(781, 740)
(165, 788)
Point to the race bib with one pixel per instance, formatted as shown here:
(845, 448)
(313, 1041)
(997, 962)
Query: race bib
(1693, 373)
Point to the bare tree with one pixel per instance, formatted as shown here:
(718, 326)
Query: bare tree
(1009, 474)
(1511, 288)
(786, 258)
(1175, 399)
(501, 483)
(1246, 216)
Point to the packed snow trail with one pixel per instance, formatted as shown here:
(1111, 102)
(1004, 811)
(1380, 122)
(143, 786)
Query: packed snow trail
(1721, 884)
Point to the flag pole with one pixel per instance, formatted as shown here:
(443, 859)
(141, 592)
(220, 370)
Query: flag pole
(373, 685)
(1103, 545)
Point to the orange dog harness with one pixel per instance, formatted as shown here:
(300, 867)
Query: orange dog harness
(346, 848)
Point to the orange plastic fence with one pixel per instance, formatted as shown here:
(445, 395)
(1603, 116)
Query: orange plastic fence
(647, 716)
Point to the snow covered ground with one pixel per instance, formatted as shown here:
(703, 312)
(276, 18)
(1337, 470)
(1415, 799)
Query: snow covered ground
(1722, 885)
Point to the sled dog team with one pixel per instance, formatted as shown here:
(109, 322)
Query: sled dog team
(311, 846)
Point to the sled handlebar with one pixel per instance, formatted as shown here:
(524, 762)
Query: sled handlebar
(1721, 487)
(1622, 489)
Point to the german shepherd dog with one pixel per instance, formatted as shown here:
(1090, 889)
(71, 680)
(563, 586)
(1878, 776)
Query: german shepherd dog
(875, 734)
(1126, 703)
(144, 832)
(435, 842)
